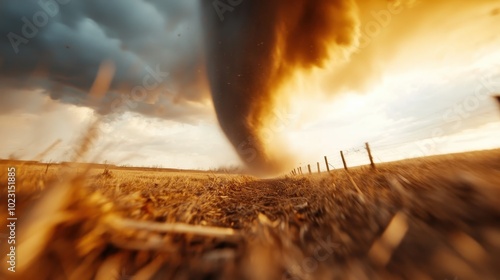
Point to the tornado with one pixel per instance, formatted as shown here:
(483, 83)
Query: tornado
(254, 47)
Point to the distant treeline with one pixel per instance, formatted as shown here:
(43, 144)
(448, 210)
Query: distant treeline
(99, 166)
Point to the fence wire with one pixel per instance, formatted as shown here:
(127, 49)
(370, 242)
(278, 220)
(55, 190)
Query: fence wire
(409, 144)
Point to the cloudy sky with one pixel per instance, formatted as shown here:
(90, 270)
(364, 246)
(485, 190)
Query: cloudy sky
(418, 82)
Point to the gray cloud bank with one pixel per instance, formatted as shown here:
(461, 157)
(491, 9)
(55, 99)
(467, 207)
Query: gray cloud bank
(59, 45)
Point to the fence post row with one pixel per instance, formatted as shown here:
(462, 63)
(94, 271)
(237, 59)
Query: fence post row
(298, 171)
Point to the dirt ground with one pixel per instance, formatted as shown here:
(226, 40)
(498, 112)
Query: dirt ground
(430, 218)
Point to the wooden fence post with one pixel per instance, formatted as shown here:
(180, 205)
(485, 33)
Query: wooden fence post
(319, 171)
(326, 163)
(343, 160)
(300, 168)
(370, 155)
(309, 167)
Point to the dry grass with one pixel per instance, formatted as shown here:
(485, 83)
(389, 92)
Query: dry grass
(433, 218)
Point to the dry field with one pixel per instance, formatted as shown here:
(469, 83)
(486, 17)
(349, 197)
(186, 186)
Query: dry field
(431, 218)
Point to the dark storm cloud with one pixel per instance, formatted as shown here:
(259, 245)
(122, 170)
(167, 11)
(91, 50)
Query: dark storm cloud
(59, 46)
